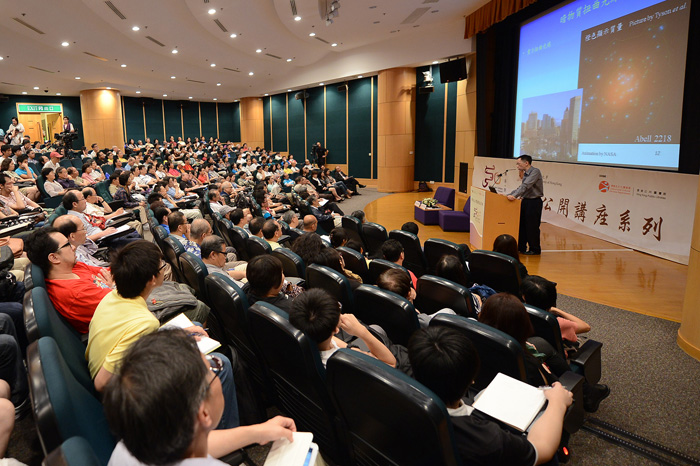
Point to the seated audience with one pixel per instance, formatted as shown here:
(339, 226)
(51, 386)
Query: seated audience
(338, 237)
(360, 215)
(72, 228)
(255, 226)
(445, 361)
(308, 246)
(317, 314)
(392, 250)
(164, 372)
(97, 207)
(213, 250)
(11, 196)
(506, 244)
(51, 186)
(272, 231)
(410, 227)
(291, 218)
(266, 282)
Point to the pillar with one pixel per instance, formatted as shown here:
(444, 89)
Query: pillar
(396, 129)
(252, 122)
(689, 333)
(465, 131)
(102, 117)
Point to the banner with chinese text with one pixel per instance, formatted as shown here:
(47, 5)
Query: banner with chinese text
(645, 210)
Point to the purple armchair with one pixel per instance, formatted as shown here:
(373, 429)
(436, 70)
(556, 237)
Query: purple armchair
(445, 196)
(451, 220)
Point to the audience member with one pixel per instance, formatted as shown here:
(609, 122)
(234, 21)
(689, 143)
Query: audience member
(255, 226)
(213, 249)
(308, 246)
(392, 250)
(506, 244)
(272, 231)
(338, 237)
(72, 228)
(410, 227)
(266, 282)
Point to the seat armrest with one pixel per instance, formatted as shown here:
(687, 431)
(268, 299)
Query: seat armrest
(586, 361)
(573, 420)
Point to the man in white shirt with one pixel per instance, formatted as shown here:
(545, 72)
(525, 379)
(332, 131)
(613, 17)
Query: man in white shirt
(16, 132)
(53, 163)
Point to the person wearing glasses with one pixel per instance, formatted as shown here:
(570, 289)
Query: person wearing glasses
(164, 372)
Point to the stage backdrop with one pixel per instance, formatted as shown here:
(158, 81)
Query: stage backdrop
(645, 210)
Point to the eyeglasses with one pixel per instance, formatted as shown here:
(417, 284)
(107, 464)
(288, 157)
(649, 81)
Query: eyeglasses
(162, 266)
(67, 245)
(216, 365)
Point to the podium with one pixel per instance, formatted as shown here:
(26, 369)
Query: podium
(491, 215)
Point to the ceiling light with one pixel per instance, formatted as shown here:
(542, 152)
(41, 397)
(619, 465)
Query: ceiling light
(266, 95)
(212, 11)
(58, 93)
(109, 88)
(172, 77)
(174, 50)
(359, 75)
(435, 62)
(334, 44)
(123, 65)
(234, 35)
(24, 92)
(2, 58)
(36, 88)
(236, 100)
(312, 34)
(218, 84)
(289, 90)
(213, 65)
(135, 28)
(320, 84)
(189, 97)
(138, 92)
(288, 60)
(258, 50)
(165, 95)
(65, 44)
(297, 18)
(251, 73)
(77, 77)
(214, 98)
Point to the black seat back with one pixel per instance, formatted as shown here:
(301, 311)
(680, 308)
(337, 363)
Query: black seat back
(352, 227)
(194, 272)
(498, 351)
(401, 422)
(395, 314)
(297, 374)
(378, 267)
(292, 264)
(33, 276)
(257, 247)
(159, 234)
(335, 283)
(414, 259)
(172, 249)
(374, 235)
(496, 270)
(238, 237)
(435, 293)
(435, 248)
(355, 262)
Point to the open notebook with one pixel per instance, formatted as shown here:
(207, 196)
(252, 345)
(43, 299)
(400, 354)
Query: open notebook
(206, 345)
(300, 452)
(511, 401)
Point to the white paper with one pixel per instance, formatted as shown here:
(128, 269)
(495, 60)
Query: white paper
(511, 401)
(286, 453)
(206, 345)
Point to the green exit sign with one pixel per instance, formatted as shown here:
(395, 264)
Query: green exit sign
(46, 108)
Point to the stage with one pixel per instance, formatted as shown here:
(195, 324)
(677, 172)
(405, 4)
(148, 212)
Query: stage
(583, 267)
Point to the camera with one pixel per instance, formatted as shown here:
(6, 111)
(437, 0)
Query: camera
(46, 90)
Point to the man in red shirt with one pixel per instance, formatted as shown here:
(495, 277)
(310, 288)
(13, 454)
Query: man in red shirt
(75, 288)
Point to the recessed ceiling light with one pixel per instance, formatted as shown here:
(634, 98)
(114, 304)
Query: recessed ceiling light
(36, 88)
(320, 84)
(58, 93)
(359, 75)
(312, 34)
(251, 73)
(77, 77)
(435, 62)
(267, 94)
(289, 90)
(165, 95)
(135, 28)
(234, 35)
(236, 100)
(2, 58)
(213, 65)
(214, 98)
(288, 60)
(109, 88)
(174, 50)
(258, 50)
(123, 65)
(138, 92)
(212, 11)
(65, 44)
(334, 44)
(297, 18)
(24, 92)
(189, 97)
(172, 77)
(218, 84)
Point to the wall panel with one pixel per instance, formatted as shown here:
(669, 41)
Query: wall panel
(314, 119)
(278, 112)
(236, 135)
(266, 121)
(173, 124)
(450, 129)
(154, 119)
(208, 119)
(226, 130)
(133, 118)
(335, 125)
(190, 118)
(296, 128)
(430, 121)
(360, 128)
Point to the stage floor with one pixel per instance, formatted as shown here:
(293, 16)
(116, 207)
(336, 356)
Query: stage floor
(583, 267)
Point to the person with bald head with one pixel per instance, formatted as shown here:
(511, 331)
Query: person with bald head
(73, 229)
(310, 224)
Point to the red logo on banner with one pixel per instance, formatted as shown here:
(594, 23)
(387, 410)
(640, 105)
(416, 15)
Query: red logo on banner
(604, 186)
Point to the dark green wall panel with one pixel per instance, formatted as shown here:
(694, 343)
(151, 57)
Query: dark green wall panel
(278, 109)
(71, 109)
(335, 125)
(226, 131)
(430, 120)
(208, 119)
(154, 119)
(296, 128)
(190, 119)
(360, 127)
(375, 105)
(236, 136)
(133, 117)
(314, 118)
(451, 125)
(173, 124)
(266, 121)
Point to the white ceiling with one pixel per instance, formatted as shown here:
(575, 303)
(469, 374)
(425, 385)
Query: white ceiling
(371, 35)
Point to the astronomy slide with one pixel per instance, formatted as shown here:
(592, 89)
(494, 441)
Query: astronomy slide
(602, 82)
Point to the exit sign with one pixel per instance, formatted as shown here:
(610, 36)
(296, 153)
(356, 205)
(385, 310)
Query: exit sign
(45, 108)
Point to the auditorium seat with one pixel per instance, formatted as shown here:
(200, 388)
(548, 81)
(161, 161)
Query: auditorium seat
(435, 293)
(172, 249)
(435, 248)
(390, 418)
(395, 314)
(257, 246)
(63, 408)
(414, 259)
(194, 272)
(292, 264)
(76, 451)
(335, 283)
(355, 262)
(379, 266)
(33, 276)
(496, 270)
(298, 377)
(353, 228)
(238, 237)
(374, 235)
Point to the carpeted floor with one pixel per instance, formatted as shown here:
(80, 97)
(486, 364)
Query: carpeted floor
(359, 202)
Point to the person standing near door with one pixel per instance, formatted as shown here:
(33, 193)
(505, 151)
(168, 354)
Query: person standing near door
(15, 132)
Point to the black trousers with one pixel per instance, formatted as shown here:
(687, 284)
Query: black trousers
(530, 218)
